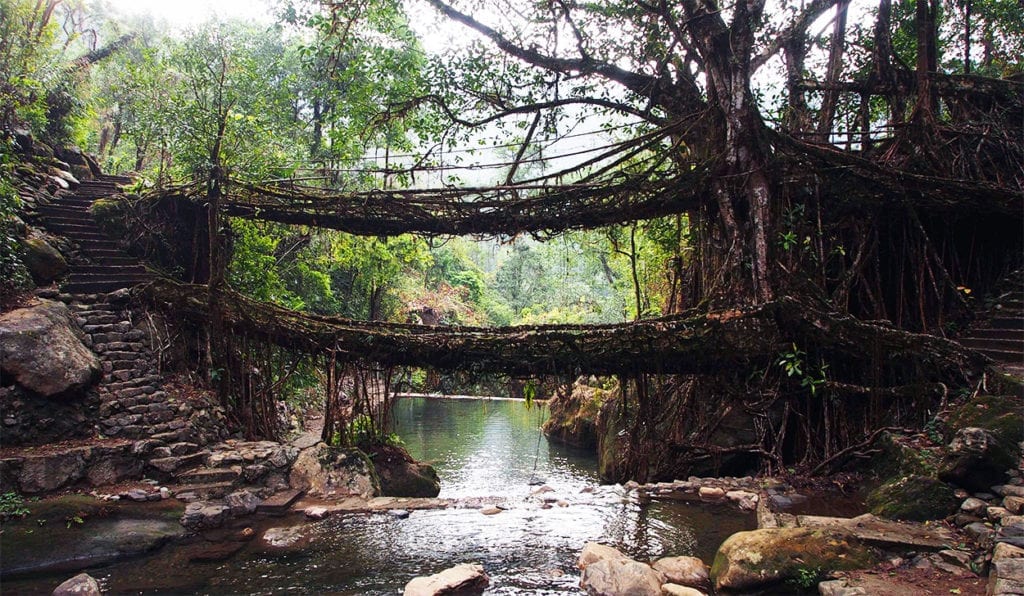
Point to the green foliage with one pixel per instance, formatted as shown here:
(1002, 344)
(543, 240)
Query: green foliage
(14, 277)
(12, 505)
(363, 433)
(793, 363)
(806, 578)
(26, 62)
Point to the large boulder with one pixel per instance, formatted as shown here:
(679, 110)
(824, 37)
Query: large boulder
(41, 350)
(401, 476)
(759, 558)
(614, 577)
(325, 471)
(462, 579)
(913, 498)
(44, 263)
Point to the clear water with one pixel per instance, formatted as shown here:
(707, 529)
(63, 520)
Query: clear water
(480, 448)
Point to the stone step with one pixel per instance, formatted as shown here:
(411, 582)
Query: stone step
(116, 274)
(83, 237)
(109, 269)
(178, 463)
(202, 492)
(279, 503)
(988, 333)
(1002, 356)
(210, 476)
(66, 211)
(97, 287)
(1000, 344)
(66, 224)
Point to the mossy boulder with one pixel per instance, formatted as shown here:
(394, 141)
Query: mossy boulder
(325, 471)
(983, 436)
(898, 457)
(401, 476)
(44, 263)
(913, 498)
(573, 416)
(760, 558)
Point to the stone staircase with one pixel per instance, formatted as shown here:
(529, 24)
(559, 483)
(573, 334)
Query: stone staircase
(103, 267)
(999, 330)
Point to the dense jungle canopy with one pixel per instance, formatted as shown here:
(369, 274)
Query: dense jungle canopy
(532, 162)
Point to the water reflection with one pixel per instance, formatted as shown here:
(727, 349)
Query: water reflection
(479, 448)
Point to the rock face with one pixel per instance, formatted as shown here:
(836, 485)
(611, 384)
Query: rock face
(461, 579)
(748, 560)
(95, 465)
(324, 471)
(41, 350)
(82, 584)
(44, 263)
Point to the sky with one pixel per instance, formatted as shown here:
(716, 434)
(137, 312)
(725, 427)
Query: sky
(182, 13)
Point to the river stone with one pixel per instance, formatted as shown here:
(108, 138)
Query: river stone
(82, 584)
(204, 515)
(44, 263)
(613, 577)
(685, 571)
(677, 590)
(324, 471)
(974, 506)
(758, 558)
(293, 537)
(41, 350)
(839, 587)
(594, 552)
(242, 502)
(462, 579)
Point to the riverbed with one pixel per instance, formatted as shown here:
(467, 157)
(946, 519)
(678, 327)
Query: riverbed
(553, 505)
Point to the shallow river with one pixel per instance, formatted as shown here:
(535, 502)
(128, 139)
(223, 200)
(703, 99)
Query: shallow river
(479, 448)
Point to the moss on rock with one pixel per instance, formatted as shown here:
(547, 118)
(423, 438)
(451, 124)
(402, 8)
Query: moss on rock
(760, 558)
(914, 498)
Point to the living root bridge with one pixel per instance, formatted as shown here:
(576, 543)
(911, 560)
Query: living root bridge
(700, 343)
(492, 211)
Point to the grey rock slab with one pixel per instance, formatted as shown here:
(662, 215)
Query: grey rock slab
(101, 542)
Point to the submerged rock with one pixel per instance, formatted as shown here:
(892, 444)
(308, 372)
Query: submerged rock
(750, 560)
(82, 584)
(467, 578)
(40, 349)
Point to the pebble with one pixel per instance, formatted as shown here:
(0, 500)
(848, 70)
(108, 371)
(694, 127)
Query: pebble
(497, 510)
